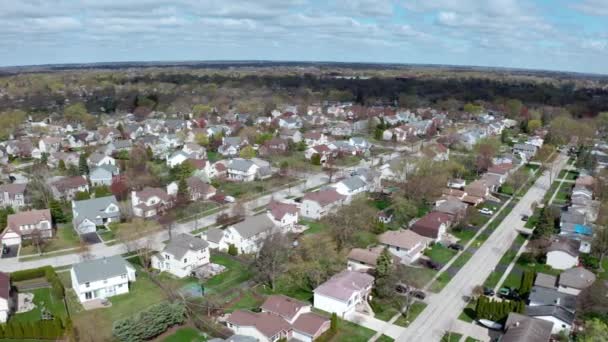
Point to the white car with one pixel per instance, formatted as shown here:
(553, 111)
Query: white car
(486, 211)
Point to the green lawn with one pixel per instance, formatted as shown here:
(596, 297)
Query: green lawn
(468, 314)
(470, 339)
(418, 276)
(65, 237)
(252, 189)
(186, 335)
(347, 332)
(462, 259)
(440, 254)
(348, 161)
(42, 298)
(440, 283)
(235, 274)
(463, 235)
(415, 310)
(247, 302)
(451, 337)
(568, 175)
(314, 227)
(213, 156)
(604, 275)
(385, 338)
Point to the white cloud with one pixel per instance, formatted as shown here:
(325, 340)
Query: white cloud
(592, 7)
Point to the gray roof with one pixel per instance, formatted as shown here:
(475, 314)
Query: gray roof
(214, 235)
(525, 147)
(105, 169)
(93, 208)
(181, 244)
(556, 311)
(232, 141)
(572, 217)
(577, 277)
(547, 296)
(100, 269)
(545, 280)
(353, 183)
(452, 206)
(522, 328)
(254, 225)
(240, 164)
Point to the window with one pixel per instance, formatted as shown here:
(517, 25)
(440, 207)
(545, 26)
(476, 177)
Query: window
(88, 295)
(123, 276)
(167, 257)
(185, 260)
(87, 284)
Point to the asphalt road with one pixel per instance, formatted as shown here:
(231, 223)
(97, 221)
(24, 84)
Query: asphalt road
(444, 308)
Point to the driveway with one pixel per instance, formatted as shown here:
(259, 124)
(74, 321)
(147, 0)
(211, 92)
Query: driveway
(90, 238)
(442, 312)
(11, 252)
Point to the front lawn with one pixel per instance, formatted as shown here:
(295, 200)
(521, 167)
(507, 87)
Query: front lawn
(347, 331)
(451, 337)
(415, 310)
(235, 274)
(440, 254)
(418, 276)
(464, 235)
(186, 334)
(314, 227)
(254, 188)
(65, 237)
(42, 299)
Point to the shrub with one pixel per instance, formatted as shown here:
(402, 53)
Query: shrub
(590, 261)
(150, 323)
(232, 250)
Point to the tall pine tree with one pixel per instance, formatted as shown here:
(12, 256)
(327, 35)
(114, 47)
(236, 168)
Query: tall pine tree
(83, 166)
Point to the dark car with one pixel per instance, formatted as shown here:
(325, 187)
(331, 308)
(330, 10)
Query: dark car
(5, 249)
(488, 291)
(525, 217)
(418, 294)
(456, 246)
(432, 265)
(401, 289)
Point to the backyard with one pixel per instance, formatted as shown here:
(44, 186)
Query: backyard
(186, 334)
(244, 190)
(235, 274)
(42, 299)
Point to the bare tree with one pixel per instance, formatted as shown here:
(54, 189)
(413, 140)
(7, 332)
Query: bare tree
(84, 250)
(272, 258)
(38, 240)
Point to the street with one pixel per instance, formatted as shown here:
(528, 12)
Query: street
(441, 314)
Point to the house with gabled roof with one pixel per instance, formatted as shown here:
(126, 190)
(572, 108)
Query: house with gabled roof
(248, 235)
(433, 225)
(67, 187)
(284, 215)
(25, 225)
(12, 195)
(103, 175)
(101, 278)
(320, 203)
(150, 202)
(343, 292)
(405, 244)
(88, 214)
(182, 255)
(242, 170)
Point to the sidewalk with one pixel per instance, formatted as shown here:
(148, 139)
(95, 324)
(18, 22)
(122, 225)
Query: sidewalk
(375, 324)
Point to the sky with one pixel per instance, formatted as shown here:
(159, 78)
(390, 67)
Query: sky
(565, 35)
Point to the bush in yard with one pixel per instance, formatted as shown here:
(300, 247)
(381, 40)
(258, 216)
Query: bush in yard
(334, 322)
(497, 311)
(232, 250)
(527, 281)
(150, 323)
(590, 261)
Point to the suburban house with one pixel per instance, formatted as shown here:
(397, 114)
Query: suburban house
(101, 278)
(261, 326)
(343, 292)
(103, 175)
(49, 144)
(27, 224)
(477, 189)
(150, 202)
(6, 300)
(320, 203)
(525, 151)
(563, 253)
(284, 215)
(88, 214)
(405, 244)
(248, 235)
(322, 150)
(67, 187)
(315, 138)
(12, 195)
(176, 158)
(350, 186)
(231, 146)
(552, 306)
(452, 206)
(242, 170)
(433, 225)
(364, 259)
(214, 237)
(182, 255)
(98, 159)
(575, 280)
(521, 328)
(274, 146)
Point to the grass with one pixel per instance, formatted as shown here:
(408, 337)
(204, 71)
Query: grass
(235, 274)
(65, 237)
(568, 175)
(462, 259)
(463, 235)
(385, 338)
(451, 337)
(415, 310)
(247, 302)
(440, 254)
(106, 235)
(468, 314)
(186, 334)
(470, 339)
(44, 256)
(254, 188)
(314, 227)
(42, 298)
(213, 156)
(347, 161)
(347, 331)
(193, 209)
(418, 276)
(443, 279)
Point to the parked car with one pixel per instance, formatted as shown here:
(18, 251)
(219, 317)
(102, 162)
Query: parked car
(504, 292)
(5, 249)
(402, 289)
(488, 291)
(229, 199)
(456, 246)
(418, 294)
(431, 264)
(525, 218)
(486, 211)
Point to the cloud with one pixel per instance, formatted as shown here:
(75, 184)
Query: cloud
(592, 7)
(366, 8)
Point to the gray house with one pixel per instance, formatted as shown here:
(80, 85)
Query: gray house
(103, 175)
(89, 214)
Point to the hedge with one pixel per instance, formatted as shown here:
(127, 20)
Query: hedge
(40, 330)
(47, 272)
(148, 324)
(497, 311)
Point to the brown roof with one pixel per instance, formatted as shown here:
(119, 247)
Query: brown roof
(429, 224)
(311, 324)
(500, 169)
(67, 183)
(17, 220)
(324, 197)
(283, 306)
(198, 164)
(368, 256)
(322, 148)
(566, 245)
(5, 285)
(266, 323)
(476, 188)
(278, 209)
(12, 189)
(454, 192)
(407, 239)
(196, 185)
(342, 285)
(148, 192)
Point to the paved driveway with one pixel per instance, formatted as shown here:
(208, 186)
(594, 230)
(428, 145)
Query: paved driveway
(441, 315)
(90, 238)
(11, 252)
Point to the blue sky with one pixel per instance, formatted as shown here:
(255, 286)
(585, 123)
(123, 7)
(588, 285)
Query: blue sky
(570, 35)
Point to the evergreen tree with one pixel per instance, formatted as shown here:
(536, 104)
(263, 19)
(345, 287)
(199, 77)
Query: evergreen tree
(384, 263)
(17, 330)
(61, 166)
(57, 212)
(232, 250)
(183, 193)
(149, 153)
(83, 166)
(334, 322)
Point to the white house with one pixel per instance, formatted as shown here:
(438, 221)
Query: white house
(101, 278)
(320, 203)
(284, 215)
(405, 244)
(103, 175)
(89, 214)
(150, 202)
(98, 159)
(24, 225)
(350, 186)
(6, 302)
(242, 170)
(182, 255)
(563, 253)
(343, 292)
(176, 158)
(248, 235)
(12, 195)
